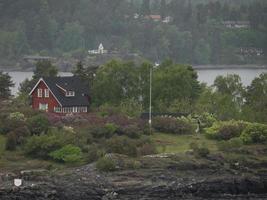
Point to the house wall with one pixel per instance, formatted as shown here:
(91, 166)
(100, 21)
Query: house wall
(51, 101)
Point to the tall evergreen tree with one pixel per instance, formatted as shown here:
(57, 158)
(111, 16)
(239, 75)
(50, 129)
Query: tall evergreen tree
(5, 84)
(145, 8)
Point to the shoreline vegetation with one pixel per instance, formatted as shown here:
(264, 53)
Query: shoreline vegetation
(196, 67)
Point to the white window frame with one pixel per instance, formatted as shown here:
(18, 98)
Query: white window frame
(57, 109)
(46, 93)
(43, 106)
(70, 94)
(40, 92)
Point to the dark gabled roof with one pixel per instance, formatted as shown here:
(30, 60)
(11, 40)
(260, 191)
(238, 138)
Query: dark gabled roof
(69, 83)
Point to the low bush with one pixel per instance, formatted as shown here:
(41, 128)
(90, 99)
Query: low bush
(41, 145)
(254, 133)
(232, 145)
(132, 131)
(106, 164)
(172, 125)
(11, 142)
(67, 154)
(94, 153)
(207, 119)
(121, 145)
(147, 149)
(38, 124)
(200, 151)
(225, 130)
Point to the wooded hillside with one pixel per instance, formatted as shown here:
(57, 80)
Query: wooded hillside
(196, 32)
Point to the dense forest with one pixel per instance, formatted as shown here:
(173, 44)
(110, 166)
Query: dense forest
(193, 32)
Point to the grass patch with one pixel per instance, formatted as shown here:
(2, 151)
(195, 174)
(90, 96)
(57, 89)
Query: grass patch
(2, 145)
(169, 143)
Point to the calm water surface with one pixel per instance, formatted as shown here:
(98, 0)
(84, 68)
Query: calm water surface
(205, 75)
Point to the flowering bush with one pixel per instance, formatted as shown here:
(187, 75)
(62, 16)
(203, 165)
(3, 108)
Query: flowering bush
(172, 125)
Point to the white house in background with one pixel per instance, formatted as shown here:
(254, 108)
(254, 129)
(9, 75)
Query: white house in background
(236, 24)
(100, 50)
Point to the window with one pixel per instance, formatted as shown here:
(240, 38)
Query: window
(57, 109)
(40, 93)
(43, 106)
(46, 91)
(70, 94)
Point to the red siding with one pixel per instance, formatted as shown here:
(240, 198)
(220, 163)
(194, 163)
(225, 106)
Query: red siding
(51, 101)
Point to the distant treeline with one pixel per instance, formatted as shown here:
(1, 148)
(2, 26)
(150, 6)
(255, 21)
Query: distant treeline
(195, 33)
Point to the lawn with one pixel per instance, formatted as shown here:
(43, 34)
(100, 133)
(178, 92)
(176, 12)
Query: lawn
(170, 143)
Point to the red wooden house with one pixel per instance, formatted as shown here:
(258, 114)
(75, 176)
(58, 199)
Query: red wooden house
(60, 95)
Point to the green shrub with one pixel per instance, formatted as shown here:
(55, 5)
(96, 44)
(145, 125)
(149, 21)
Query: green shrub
(110, 129)
(10, 124)
(172, 125)
(106, 164)
(21, 134)
(38, 124)
(207, 119)
(232, 145)
(132, 131)
(17, 116)
(121, 145)
(225, 130)
(100, 132)
(147, 149)
(41, 145)
(67, 154)
(200, 151)
(11, 142)
(94, 153)
(255, 133)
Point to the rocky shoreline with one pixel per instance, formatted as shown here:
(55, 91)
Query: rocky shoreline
(143, 184)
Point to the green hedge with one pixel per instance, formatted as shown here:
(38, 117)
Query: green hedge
(225, 130)
(255, 133)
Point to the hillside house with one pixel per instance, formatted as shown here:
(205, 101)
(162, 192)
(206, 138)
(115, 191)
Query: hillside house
(236, 24)
(60, 95)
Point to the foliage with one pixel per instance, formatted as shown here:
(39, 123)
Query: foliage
(11, 142)
(174, 82)
(94, 153)
(132, 131)
(44, 69)
(255, 133)
(232, 145)
(172, 125)
(225, 130)
(41, 145)
(5, 84)
(200, 151)
(256, 95)
(67, 154)
(38, 124)
(195, 34)
(207, 119)
(121, 145)
(105, 164)
(17, 116)
(147, 149)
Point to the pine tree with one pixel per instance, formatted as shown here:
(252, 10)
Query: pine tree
(145, 8)
(5, 84)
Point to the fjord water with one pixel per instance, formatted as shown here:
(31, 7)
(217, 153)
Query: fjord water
(19, 77)
(204, 75)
